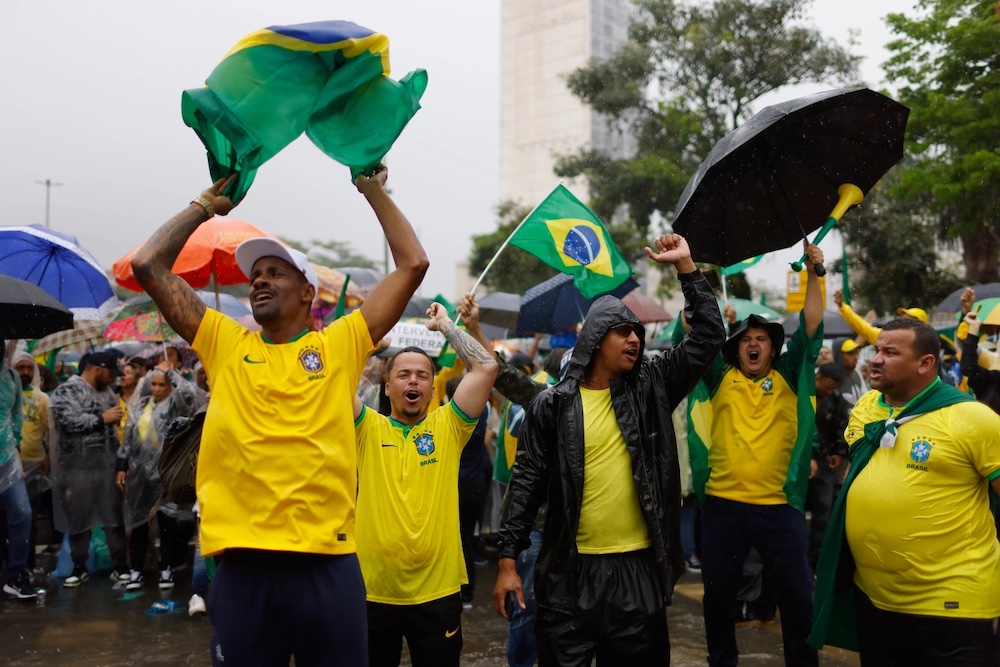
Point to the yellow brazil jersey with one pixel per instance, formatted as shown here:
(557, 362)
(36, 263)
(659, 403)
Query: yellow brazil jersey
(918, 518)
(754, 428)
(610, 518)
(277, 468)
(407, 527)
(34, 425)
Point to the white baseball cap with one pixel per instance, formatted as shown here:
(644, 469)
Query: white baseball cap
(248, 252)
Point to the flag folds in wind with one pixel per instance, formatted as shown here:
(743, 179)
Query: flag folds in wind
(566, 235)
(329, 79)
(739, 267)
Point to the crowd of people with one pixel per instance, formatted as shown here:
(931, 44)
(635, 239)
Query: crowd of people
(339, 492)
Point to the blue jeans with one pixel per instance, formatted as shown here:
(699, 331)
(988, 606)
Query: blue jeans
(199, 572)
(521, 649)
(728, 530)
(18, 508)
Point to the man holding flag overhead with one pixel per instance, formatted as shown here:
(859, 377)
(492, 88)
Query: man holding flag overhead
(600, 448)
(277, 471)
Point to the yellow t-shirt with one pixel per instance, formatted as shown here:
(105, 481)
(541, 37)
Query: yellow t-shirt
(918, 516)
(754, 427)
(278, 468)
(34, 425)
(407, 529)
(610, 518)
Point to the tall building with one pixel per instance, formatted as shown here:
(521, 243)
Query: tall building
(542, 41)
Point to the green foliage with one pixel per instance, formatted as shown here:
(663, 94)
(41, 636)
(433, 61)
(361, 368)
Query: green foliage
(686, 77)
(333, 254)
(892, 257)
(946, 66)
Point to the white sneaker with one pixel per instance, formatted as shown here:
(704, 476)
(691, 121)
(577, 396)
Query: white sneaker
(135, 581)
(166, 579)
(196, 605)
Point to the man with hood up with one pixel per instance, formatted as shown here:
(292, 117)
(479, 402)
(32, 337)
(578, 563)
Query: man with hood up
(600, 448)
(759, 439)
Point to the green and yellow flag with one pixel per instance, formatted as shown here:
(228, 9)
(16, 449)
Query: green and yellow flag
(739, 267)
(329, 79)
(569, 237)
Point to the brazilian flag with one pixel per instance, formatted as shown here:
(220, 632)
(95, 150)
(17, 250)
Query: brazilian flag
(329, 79)
(565, 234)
(739, 267)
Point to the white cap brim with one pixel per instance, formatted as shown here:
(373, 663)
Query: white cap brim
(248, 252)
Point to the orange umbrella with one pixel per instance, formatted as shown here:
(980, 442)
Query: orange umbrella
(331, 284)
(210, 252)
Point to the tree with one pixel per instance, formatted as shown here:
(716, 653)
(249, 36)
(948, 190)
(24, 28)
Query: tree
(334, 254)
(947, 67)
(892, 256)
(688, 75)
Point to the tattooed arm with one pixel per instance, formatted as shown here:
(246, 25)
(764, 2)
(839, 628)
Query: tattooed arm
(474, 389)
(152, 265)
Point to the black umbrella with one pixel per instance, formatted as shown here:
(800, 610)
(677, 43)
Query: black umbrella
(768, 183)
(28, 311)
(952, 303)
(500, 309)
(834, 325)
(556, 305)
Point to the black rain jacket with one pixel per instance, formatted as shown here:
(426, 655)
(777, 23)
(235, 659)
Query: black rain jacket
(549, 465)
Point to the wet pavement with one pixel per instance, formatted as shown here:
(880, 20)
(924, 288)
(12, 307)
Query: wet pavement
(97, 626)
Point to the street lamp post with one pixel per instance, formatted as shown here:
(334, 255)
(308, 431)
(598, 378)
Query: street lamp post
(48, 188)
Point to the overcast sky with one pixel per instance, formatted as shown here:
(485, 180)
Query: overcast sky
(91, 94)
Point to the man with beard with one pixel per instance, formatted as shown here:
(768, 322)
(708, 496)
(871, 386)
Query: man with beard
(85, 412)
(600, 448)
(758, 463)
(277, 469)
(409, 542)
(35, 458)
(910, 571)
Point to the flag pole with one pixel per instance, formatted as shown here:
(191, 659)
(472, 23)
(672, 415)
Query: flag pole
(507, 241)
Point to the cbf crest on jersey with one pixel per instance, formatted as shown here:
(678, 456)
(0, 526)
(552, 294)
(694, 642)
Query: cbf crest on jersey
(425, 444)
(311, 360)
(920, 451)
(767, 385)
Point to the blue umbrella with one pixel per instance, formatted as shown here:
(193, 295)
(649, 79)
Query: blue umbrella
(556, 305)
(59, 265)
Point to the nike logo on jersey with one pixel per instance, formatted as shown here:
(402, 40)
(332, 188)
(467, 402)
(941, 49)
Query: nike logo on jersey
(252, 361)
(448, 634)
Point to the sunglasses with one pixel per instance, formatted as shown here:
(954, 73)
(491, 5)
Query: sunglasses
(625, 330)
